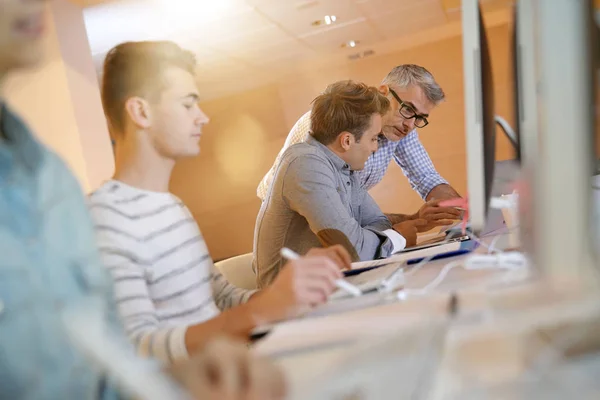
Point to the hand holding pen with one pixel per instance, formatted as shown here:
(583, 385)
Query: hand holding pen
(339, 283)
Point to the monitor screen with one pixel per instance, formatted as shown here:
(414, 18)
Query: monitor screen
(489, 124)
(479, 114)
(517, 76)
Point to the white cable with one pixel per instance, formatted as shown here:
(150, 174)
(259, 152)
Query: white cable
(429, 258)
(492, 248)
(509, 260)
(420, 265)
(441, 276)
(431, 285)
(483, 244)
(512, 261)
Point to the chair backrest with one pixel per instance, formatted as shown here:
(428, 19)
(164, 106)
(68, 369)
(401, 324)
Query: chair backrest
(238, 271)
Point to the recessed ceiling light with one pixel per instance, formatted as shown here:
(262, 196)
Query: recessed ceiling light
(327, 20)
(351, 43)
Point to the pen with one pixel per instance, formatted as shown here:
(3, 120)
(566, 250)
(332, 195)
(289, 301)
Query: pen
(340, 283)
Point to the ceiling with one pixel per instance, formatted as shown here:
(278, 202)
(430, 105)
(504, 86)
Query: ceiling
(241, 44)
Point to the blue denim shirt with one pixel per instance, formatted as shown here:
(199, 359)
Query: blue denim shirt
(48, 262)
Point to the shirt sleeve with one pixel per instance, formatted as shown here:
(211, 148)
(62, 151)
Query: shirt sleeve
(374, 219)
(310, 189)
(123, 258)
(371, 215)
(227, 295)
(298, 134)
(416, 165)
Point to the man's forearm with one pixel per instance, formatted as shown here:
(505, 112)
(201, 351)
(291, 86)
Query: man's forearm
(398, 218)
(236, 322)
(442, 192)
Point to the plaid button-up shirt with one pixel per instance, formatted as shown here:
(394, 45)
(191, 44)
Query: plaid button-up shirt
(408, 153)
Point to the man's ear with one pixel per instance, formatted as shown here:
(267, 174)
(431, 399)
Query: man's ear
(384, 89)
(346, 139)
(138, 110)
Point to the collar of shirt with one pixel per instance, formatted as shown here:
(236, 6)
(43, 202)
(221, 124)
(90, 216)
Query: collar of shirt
(18, 144)
(334, 158)
(384, 142)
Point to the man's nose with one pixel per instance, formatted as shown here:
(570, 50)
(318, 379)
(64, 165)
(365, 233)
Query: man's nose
(202, 118)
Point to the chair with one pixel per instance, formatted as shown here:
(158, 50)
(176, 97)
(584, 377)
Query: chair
(238, 271)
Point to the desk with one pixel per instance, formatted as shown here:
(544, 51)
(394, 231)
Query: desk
(373, 316)
(488, 350)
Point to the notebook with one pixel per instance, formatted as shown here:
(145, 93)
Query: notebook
(454, 246)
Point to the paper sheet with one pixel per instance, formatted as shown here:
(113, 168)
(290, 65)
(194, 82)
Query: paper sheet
(436, 235)
(433, 237)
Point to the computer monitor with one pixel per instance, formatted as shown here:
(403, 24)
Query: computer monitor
(479, 114)
(525, 94)
(523, 55)
(517, 79)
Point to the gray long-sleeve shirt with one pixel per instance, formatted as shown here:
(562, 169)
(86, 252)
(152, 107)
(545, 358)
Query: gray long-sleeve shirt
(313, 190)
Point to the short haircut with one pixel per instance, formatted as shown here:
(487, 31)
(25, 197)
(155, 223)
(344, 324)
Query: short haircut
(137, 69)
(345, 106)
(407, 75)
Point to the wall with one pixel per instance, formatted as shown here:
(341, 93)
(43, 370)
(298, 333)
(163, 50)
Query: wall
(247, 131)
(237, 148)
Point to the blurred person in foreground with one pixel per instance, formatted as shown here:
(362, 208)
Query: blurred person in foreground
(50, 265)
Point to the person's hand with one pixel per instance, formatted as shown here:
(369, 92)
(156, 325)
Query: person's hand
(225, 370)
(300, 285)
(436, 215)
(336, 253)
(462, 203)
(409, 229)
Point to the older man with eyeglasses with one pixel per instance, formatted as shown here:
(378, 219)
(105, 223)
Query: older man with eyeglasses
(413, 93)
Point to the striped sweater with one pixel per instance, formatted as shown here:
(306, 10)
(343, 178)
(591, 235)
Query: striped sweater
(164, 277)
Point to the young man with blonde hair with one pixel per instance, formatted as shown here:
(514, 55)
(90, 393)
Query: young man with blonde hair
(317, 188)
(169, 294)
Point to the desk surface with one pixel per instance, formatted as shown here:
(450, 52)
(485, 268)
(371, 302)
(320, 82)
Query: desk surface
(308, 349)
(484, 352)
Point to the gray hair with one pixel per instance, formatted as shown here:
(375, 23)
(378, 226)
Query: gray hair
(410, 74)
